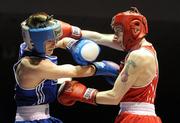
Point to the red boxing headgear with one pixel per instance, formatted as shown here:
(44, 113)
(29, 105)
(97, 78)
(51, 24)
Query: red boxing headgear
(134, 27)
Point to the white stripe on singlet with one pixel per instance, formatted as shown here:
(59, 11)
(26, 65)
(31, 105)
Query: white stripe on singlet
(140, 108)
(40, 93)
(31, 113)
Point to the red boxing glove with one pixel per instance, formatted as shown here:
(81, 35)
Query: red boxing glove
(65, 101)
(70, 31)
(74, 91)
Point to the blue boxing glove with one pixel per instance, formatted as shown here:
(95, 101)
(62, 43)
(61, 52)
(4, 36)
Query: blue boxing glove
(107, 68)
(83, 51)
(22, 48)
(110, 79)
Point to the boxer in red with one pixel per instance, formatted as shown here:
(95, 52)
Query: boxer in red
(135, 87)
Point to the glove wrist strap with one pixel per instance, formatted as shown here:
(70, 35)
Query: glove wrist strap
(90, 96)
(76, 32)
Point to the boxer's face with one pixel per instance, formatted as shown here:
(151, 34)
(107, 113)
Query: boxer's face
(118, 32)
(49, 47)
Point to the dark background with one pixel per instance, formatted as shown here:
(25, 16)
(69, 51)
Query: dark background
(164, 24)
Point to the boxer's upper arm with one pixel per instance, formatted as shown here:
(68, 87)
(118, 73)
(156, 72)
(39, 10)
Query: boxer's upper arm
(129, 75)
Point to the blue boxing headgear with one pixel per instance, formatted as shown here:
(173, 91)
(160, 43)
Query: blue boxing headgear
(36, 37)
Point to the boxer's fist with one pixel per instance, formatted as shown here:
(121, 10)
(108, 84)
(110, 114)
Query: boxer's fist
(68, 30)
(83, 51)
(22, 48)
(107, 68)
(111, 79)
(74, 91)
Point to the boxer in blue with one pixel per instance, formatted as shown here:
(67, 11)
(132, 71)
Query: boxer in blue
(37, 73)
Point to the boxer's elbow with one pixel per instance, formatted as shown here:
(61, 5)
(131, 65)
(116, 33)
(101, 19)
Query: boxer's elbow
(115, 98)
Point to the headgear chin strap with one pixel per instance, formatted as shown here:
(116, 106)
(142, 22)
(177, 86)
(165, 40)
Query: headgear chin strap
(36, 37)
(134, 27)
